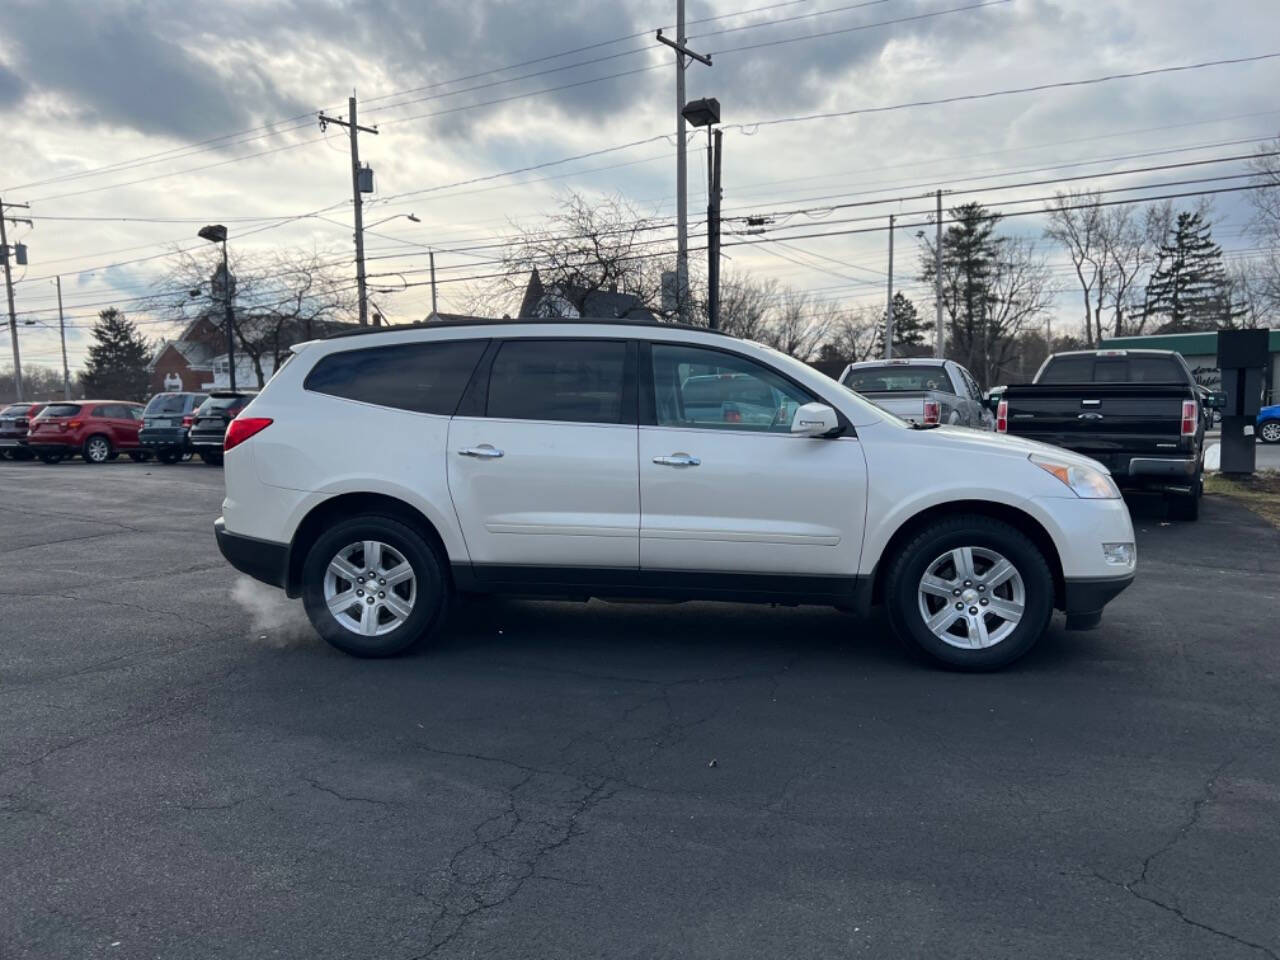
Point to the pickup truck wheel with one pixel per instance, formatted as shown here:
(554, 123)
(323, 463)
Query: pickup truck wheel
(1186, 506)
(373, 587)
(969, 593)
(1270, 431)
(211, 458)
(137, 456)
(51, 458)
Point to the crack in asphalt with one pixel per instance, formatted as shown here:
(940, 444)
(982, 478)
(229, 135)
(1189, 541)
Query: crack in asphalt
(1193, 819)
(317, 785)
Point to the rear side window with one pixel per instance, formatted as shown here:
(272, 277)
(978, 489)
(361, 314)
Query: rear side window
(61, 410)
(1155, 370)
(422, 377)
(579, 381)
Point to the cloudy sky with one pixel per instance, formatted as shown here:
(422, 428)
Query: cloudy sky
(128, 125)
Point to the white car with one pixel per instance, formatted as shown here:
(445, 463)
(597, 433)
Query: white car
(379, 475)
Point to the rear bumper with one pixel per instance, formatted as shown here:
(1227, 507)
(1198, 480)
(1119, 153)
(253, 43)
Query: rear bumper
(206, 440)
(1163, 467)
(44, 445)
(12, 441)
(263, 560)
(162, 438)
(1084, 598)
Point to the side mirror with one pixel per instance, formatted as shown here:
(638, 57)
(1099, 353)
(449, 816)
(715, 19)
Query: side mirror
(1215, 400)
(814, 420)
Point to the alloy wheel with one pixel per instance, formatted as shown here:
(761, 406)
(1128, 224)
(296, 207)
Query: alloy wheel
(971, 598)
(98, 450)
(370, 588)
(1271, 431)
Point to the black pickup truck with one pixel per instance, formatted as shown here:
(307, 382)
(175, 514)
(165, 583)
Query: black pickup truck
(1139, 412)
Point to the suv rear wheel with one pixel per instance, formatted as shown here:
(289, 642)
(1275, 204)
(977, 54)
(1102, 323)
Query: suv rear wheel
(373, 586)
(970, 592)
(97, 449)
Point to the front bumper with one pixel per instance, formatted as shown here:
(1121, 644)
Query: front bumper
(1084, 598)
(263, 560)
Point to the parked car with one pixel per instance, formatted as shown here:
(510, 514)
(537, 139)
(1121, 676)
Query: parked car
(376, 476)
(921, 391)
(1139, 412)
(166, 421)
(209, 425)
(14, 422)
(1269, 424)
(98, 430)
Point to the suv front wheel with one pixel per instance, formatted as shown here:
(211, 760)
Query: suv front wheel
(373, 587)
(970, 592)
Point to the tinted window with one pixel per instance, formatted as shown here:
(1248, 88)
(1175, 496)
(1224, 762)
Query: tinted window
(61, 410)
(217, 404)
(1156, 370)
(580, 381)
(694, 387)
(1068, 370)
(16, 409)
(166, 403)
(894, 379)
(423, 377)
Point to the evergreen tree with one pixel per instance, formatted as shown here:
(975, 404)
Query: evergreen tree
(971, 251)
(908, 329)
(118, 359)
(1189, 286)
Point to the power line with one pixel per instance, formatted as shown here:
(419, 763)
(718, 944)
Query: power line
(1037, 88)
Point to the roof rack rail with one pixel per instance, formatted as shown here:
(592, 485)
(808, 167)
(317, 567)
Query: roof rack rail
(531, 321)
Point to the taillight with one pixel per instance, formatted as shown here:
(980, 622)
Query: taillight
(74, 424)
(186, 421)
(1190, 418)
(242, 428)
(932, 413)
(1002, 417)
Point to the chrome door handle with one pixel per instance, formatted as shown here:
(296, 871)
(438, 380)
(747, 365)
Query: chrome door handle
(1088, 416)
(678, 460)
(484, 451)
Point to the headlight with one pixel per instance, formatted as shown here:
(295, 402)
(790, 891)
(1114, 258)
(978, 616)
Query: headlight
(1085, 482)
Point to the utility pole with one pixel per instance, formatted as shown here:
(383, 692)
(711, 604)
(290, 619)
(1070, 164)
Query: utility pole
(62, 332)
(353, 128)
(682, 173)
(432, 255)
(8, 289)
(938, 345)
(713, 228)
(888, 314)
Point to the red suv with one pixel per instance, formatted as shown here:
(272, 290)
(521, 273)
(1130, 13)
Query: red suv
(98, 430)
(14, 421)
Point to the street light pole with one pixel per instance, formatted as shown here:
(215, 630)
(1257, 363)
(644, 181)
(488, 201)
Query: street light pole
(217, 233)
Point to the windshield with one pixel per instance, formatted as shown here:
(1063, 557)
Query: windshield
(893, 379)
(61, 410)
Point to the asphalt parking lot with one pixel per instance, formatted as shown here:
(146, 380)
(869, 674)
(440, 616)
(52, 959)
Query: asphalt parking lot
(185, 771)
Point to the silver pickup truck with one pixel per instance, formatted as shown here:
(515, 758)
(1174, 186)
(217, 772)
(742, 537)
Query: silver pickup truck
(921, 391)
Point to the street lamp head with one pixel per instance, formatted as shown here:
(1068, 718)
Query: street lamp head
(215, 233)
(702, 113)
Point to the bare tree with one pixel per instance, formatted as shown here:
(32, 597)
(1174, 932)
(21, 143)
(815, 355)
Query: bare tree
(587, 247)
(854, 335)
(797, 325)
(746, 304)
(1020, 293)
(1265, 225)
(1078, 223)
(279, 300)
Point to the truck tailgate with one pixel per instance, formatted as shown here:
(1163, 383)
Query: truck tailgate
(1100, 419)
(908, 406)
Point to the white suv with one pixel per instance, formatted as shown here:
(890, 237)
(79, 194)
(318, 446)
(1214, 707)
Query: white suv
(379, 475)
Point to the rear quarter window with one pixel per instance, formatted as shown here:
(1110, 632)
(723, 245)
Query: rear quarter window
(61, 410)
(421, 377)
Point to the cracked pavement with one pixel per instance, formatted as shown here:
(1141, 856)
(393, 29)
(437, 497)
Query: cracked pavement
(184, 774)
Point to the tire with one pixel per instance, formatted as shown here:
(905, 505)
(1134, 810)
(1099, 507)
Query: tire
(96, 449)
(211, 458)
(50, 458)
(1186, 506)
(168, 457)
(115, 455)
(428, 594)
(987, 540)
(137, 456)
(1269, 431)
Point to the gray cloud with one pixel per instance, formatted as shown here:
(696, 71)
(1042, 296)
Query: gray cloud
(11, 86)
